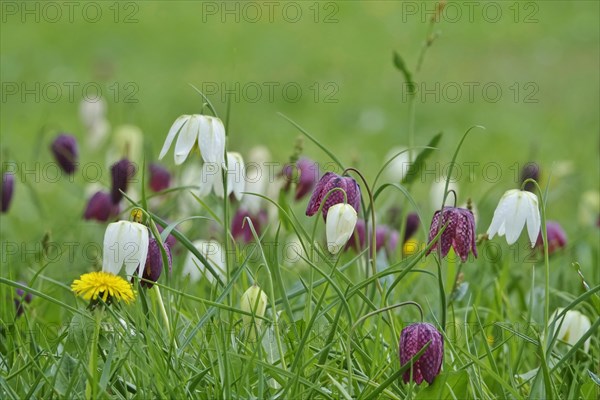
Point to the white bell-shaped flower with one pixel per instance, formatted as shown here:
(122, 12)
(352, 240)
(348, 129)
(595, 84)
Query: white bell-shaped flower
(126, 243)
(341, 220)
(207, 132)
(212, 180)
(571, 327)
(516, 207)
(213, 253)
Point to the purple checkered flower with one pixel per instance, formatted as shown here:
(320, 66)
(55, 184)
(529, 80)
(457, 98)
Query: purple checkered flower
(328, 182)
(530, 171)
(121, 172)
(65, 152)
(557, 238)
(459, 234)
(154, 263)
(412, 339)
(306, 176)
(240, 229)
(100, 207)
(160, 178)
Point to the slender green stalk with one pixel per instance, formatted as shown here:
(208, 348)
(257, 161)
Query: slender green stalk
(92, 383)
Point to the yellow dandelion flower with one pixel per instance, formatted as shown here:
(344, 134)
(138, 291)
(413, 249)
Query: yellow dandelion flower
(105, 285)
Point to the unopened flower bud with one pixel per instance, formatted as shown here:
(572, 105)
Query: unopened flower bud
(154, 263)
(339, 226)
(65, 152)
(254, 301)
(8, 185)
(121, 172)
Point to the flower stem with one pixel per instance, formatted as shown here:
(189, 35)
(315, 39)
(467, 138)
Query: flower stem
(91, 387)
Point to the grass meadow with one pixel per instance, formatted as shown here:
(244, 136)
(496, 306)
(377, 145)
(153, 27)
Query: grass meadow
(472, 92)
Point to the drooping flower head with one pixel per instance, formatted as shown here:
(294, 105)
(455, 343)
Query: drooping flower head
(412, 225)
(571, 327)
(203, 131)
(8, 185)
(328, 182)
(240, 229)
(516, 207)
(339, 226)
(212, 180)
(459, 234)
(154, 263)
(412, 339)
(64, 149)
(160, 178)
(125, 243)
(121, 172)
(305, 174)
(102, 285)
(100, 207)
(557, 238)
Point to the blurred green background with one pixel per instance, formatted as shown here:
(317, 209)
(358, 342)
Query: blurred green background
(543, 56)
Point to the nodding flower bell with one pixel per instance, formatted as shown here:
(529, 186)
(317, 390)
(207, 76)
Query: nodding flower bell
(327, 183)
(459, 234)
(203, 131)
(121, 172)
(126, 243)
(557, 238)
(20, 298)
(412, 225)
(160, 178)
(515, 208)
(100, 207)
(8, 186)
(339, 226)
(65, 152)
(384, 237)
(154, 263)
(412, 339)
(240, 228)
(305, 174)
(571, 327)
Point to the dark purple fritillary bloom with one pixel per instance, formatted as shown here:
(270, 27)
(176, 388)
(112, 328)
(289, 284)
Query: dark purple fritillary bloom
(8, 186)
(328, 182)
(459, 234)
(412, 339)
(154, 263)
(21, 298)
(412, 224)
(240, 229)
(100, 207)
(65, 152)
(306, 176)
(557, 238)
(530, 171)
(384, 236)
(170, 239)
(160, 178)
(121, 172)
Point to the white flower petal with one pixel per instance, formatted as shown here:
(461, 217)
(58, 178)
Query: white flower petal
(187, 139)
(341, 220)
(506, 203)
(211, 140)
(515, 220)
(112, 256)
(533, 218)
(235, 175)
(172, 133)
